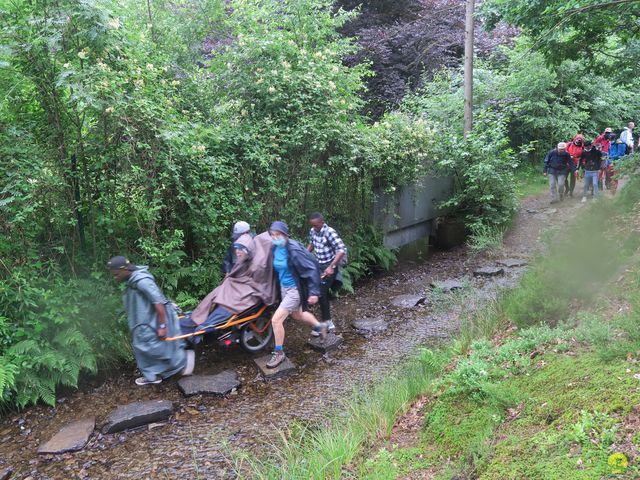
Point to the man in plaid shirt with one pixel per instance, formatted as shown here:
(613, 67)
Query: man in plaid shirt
(329, 249)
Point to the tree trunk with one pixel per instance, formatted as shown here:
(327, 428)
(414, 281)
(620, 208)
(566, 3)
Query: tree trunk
(468, 67)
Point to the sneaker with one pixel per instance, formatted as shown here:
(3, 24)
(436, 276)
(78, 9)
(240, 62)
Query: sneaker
(191, 363)
(330, 327)
(276, 359)
(141, 381)
(584, 200)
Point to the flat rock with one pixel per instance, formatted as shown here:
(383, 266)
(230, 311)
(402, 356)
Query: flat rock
(219, 384)
(367, 326)
(512, 262)
(552, 210)
(5, 473)
(447, 285)
(70, 438)
(281, 370)
(332, 342)
(488, 271)
(136, 414)
(408, 301)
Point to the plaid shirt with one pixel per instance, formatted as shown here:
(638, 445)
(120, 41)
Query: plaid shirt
(326, 244)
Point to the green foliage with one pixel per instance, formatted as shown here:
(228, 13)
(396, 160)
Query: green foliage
(593, 427)
(56, 334)
(483, 167)
(575, 29)
(366, 252)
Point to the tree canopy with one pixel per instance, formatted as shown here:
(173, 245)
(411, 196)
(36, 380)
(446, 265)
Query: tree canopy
(575, 29)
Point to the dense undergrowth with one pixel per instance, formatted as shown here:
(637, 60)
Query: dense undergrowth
(540, 384)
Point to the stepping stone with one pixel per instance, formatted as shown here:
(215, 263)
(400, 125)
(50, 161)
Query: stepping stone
(70, 438)
(281, 370)
(332, 342)
(6, 473)
(512, 262)
(368, 326)
(220, 384)
(488, 271)
(408, 301)
(447, 285)
(136, 414)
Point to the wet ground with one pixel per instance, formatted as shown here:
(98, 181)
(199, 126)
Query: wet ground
(191, 444)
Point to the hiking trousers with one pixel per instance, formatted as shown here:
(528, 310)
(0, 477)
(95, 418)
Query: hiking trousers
(590, 178)
(556, 184)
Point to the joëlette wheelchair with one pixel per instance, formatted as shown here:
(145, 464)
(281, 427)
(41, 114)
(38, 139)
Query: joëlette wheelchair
(250, 328)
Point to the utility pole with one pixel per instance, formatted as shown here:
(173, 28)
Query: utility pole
(468, 67)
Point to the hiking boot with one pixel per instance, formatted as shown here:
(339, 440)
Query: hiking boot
(191, 363)
(276, 359)
(141, 381)
(330, 327)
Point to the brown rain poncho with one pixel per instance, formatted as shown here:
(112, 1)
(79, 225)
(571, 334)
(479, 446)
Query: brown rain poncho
(249, 283)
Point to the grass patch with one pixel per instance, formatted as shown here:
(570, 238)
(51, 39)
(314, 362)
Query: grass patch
(573, 417)
(322, 452)
(530, 181)
(486, 238)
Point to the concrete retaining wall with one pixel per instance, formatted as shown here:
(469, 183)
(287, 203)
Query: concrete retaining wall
(409, 213)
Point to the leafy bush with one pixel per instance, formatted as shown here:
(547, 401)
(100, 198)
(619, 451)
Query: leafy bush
(57, 333)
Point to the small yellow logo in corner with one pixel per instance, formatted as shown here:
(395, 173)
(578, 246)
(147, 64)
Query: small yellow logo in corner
(618, 462)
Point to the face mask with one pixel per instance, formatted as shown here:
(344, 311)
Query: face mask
(278, 242)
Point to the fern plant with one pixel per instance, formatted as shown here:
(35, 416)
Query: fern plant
(52, 332)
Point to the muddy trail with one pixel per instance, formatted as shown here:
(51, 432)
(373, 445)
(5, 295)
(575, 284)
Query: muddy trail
(191, 443)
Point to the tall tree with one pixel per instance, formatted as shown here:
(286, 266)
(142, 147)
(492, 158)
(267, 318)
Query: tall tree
(407, 41)
(574, 29)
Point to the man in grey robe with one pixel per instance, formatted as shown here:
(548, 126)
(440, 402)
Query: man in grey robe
(151, 319)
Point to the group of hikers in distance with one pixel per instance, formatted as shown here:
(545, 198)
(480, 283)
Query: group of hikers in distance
(266, 269)
(595, 159)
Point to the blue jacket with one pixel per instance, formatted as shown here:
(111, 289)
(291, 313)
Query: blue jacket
(617, 150)
(558, 162)
(305, 270)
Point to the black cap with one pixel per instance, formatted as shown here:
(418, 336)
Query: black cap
(120, 263)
